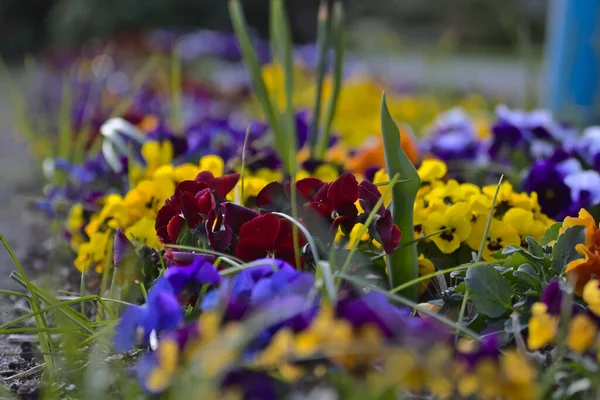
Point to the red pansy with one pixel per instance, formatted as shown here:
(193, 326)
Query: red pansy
(267, 235)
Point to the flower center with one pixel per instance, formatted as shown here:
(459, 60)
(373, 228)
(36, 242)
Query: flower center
(494, 244)
(447, 235)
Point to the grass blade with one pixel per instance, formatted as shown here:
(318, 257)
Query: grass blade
(337, 40)
(251, 59)
(65, 134)
(70, 313)
(40, 321)
(281, 43)
(176, 92)
(402, 263)
(322, 46)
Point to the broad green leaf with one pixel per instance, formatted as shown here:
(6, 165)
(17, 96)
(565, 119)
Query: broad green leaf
(534, 247)
(550, 234)
(490, 291)
(402, 264)
(563, 251)
(529, 275)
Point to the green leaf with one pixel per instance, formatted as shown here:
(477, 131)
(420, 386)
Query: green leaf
(402, 263)
(534, 247)
(551, 234)
(563, 251)
(490, 291)
(528, 274)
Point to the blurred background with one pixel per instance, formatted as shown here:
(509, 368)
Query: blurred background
(28, 26)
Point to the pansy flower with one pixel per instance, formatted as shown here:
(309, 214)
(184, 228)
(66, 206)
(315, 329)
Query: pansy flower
(386, 232)
(454, 221)
(191, 204)
(162, 311)
(582, 270)
(500, 235)
(591, 295)
(524, 223)
(268, 235)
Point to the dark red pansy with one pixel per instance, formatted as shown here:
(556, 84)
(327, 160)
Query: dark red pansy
(368, 195)
(235, 215)
(267, 235)
(205, 201)
(388, 232)
(174, 227)
(219, 235)
(343, 190)
(221, 185)
(190, 204)
(190, 210)
(273, 197)
(308, 187)
(163, 218)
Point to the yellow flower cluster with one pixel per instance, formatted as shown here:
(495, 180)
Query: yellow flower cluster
(327, 337)
(437, 371)
(453, 213)
(583, 328)
(358, 113)
(135, 212)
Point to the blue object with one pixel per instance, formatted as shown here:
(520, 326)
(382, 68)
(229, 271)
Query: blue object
(573, 41)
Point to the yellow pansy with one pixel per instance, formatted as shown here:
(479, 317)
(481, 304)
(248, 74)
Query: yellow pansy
(213, 164)
(591, 295)
(524, 223)
(252, 187)
(143, 231)
(185, 172)
(582, 333)
(499, 236)
(269, 175)
(426, 267)
(326, 173)
(455, 218)
(382, 176)
(431, 170)
(157, 154)
(542, 327)
(354, 238)
(451, 193)
(163, 372)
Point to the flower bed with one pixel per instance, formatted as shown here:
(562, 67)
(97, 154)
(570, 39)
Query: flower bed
(295, 240)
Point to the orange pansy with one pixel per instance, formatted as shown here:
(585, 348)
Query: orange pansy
(581, 271)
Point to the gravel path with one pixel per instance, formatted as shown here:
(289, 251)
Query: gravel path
(16, 172)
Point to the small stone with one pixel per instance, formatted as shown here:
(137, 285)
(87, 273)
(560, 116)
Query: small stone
(27, 351)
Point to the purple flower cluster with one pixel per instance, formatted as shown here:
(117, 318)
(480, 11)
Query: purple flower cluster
(282, 297)
(558, 162)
